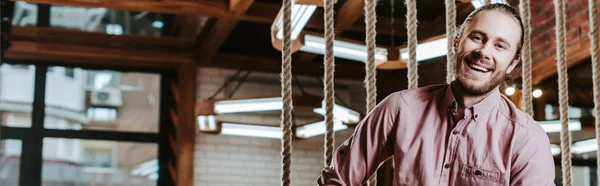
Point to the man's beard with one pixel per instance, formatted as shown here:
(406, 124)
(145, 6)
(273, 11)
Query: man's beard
(498, 77)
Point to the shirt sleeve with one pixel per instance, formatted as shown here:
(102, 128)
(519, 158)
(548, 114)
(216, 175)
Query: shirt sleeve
(533, 163)
(372, 142)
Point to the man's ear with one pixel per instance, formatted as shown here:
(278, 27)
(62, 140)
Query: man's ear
(513, 64)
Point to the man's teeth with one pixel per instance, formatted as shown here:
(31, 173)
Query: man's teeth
(480, 68)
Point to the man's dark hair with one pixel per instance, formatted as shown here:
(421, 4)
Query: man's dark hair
(497, 7)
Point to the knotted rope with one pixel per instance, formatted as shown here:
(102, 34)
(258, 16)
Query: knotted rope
(563, 92)
(286, 92)
(527, 106)
(411, 24)
(450, 33)
(370, 79)
(328, 82)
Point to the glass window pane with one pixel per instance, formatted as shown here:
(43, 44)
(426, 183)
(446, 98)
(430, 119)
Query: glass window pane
(16, 94)
(100, 163)
(116, 22)
(10, 161)
(102, 100)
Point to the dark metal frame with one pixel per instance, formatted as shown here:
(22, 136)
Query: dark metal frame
(32, 138)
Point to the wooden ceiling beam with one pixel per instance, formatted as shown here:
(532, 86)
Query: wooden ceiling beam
(273, 65)
(71, 47)
(185, 7)
(208, 44)
(577, 53)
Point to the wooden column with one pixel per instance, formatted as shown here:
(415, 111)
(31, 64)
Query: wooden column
(186, 128)
(539, 108)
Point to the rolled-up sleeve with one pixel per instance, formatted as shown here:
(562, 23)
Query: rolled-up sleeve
(372, 142)
(533, 163)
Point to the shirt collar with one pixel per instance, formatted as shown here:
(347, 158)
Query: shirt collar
(483, 107)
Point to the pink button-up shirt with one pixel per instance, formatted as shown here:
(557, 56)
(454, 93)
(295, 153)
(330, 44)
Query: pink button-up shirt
(494, 144)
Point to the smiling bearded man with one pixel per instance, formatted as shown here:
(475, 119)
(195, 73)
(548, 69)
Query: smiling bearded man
(461, 134)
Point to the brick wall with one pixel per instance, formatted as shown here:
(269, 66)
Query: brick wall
(234, 160)
(543, 35)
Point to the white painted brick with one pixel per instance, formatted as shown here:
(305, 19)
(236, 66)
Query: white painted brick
(217, 154)
(252, 179)
(241, 172)
(240, 156)
(227, 148)
(259, 142)
(206, 148)
(272, 151)
(238, 141)
(249, 150)
(231, 163)
(262, 158)
(254, 165)
(219, 170)
(300, 167)
(209, 177)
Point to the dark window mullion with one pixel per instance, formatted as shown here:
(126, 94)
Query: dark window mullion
(142, 137)
(31, 157)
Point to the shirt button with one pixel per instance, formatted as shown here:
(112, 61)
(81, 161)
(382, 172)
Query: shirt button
(478, 172)
(476, 115)
(447, 166)
(455, 132)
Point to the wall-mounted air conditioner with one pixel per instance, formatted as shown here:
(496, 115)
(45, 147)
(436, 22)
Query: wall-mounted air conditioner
(106, 98)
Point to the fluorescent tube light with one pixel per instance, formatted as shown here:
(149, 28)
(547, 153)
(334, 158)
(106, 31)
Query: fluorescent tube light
(251, 130)
(428, 50)
(300, 16)
(249, 105)
(479, 3)
(340, 113)
(207, 123)
(554, 125)
(146, 168)
(318, 128)
(584, 146)
(342, 49)
(579, 147)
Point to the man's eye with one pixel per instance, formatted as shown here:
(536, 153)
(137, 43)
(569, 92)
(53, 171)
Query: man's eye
(477, 38)
(500, 46)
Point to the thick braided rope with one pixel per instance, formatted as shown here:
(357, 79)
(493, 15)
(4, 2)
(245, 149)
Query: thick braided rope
(527, 106)
(450, 32)
(594, 41)
(411, 24)
(487, 2)
(328, 82)
(286, 92)
(563, 92)
(370, 20)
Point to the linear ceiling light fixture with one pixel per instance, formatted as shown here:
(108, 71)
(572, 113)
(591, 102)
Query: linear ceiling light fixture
(341, 113)
(342, 49)
(248, 105)
(554, 125)
(300, 16)
(318, 128)
(579, 147)
(428, 50)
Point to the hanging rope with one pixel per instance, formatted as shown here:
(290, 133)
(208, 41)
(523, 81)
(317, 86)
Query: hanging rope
(286, 92)
(370, 79)
(527, 106)
(450, 32)
(328, 85)
(563, 92)
(595, 51)
(411, 24)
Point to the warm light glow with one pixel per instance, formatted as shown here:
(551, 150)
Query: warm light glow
(428, 50)
(248, 105)
(510, 91)
(342, 49)
(251, 130)
(341, 113)
(318, 128)
(537, 93)
(300, 16)
(555, 126)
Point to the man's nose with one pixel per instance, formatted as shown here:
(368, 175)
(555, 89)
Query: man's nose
(486, 51)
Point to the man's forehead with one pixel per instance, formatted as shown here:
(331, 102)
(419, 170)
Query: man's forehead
(496, 24)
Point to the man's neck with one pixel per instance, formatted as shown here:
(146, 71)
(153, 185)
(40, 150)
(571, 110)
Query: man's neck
(465, 100)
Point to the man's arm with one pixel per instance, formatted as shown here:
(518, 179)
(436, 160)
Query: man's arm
(372, 142)
(533, 163)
